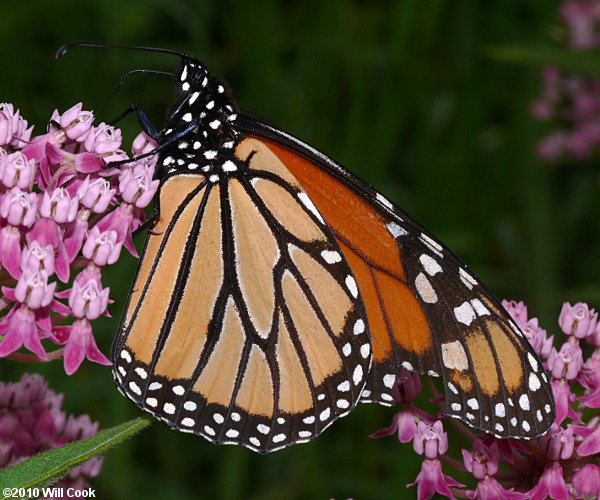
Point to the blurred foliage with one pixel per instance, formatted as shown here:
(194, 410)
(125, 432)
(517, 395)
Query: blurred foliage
(401, 92)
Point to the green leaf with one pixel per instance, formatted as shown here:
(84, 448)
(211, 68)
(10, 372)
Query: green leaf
(48, 467)
(581, 62)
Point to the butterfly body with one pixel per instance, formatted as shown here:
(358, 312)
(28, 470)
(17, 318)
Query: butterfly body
(300, 291)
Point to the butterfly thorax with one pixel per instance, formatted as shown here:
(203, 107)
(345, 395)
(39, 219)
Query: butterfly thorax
(200, 126)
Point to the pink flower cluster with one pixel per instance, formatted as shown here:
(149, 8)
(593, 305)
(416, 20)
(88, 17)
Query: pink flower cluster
(571, 101)
(65, 213)
(560, 465)
(31, 421)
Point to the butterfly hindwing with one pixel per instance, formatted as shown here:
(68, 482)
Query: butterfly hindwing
(426, 310)
(245, 324)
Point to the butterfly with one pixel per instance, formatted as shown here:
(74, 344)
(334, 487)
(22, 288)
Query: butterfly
(277, 290)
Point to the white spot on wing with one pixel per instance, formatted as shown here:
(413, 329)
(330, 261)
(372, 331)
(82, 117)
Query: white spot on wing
(188, 422)
(465, 313)
(307, 202)
(425, 289)
(359, 327)
(432, 244)
(126, 356)
(351, 284)
(324, 415)
(357, 375)
(454, 356)
(189, 405)
(430, 265)
(524, 402)
(408, 366)
(388, 380)
(500, 410)
(384, 201)
(331, 256)
(473, 404)
(534, 382)
(466, 278)
(533, 362)
(343, 387)
(135, 388)
(396, 230)
(365, 350)
(480, 309)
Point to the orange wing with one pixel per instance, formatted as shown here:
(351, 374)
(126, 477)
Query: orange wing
(244, 324)
(427, 313)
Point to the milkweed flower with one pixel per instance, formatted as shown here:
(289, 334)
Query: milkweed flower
(65, 214)
(562, 464)
(32, 421)
(569, 101)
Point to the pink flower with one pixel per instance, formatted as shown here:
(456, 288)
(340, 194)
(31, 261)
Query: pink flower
(431, 479)
(490, 489)
(103, 139)
(75, 123)
(558, 444)
(404, 423)
(136, 185)
(47, 233)
(33, 289)
(578, 320)
(591, 442)
(537, 337)
(32, 421)
(10, 250)
(563, 397)
(143, 144)
(80, 344)
(59, 205)
(102, 247)
(567, 362)
(87, 298)
(582, 18)
(430, 440)
(19, 208)
(517, 310)
(406, 387)
(551, 484)
(46, 200)
(13, 128)
(19, 329)
(17, 171)
(483, 460)
(95, 195)
(587, 481)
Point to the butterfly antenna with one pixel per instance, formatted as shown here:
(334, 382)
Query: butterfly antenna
(66, 48)
(122, 79)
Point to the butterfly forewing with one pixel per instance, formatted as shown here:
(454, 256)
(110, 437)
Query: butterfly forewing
(260, 338)
(427, 312)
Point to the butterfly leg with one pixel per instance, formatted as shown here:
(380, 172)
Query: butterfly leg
(145, 122)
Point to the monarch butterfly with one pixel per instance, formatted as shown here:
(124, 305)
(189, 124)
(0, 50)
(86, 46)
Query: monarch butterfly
(277, 290)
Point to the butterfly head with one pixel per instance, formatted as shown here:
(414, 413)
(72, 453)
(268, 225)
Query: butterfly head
(199, 128)
(191, 76)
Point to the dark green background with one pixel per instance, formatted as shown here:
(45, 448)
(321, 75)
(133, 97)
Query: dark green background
(403, 94)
